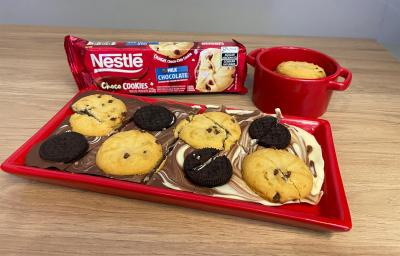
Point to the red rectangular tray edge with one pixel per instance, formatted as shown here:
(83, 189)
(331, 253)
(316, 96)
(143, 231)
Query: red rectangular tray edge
(340, 222)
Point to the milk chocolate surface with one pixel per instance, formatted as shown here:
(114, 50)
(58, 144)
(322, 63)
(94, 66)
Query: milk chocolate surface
(302, 144)
(87, 164)
(169, 173)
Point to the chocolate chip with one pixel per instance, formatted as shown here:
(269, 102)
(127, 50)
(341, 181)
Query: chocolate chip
(177, 52)
(208, 87)
(99, 96)
(210, 67)
(276, 197)
(210, 82)
(309, 149)
(126, 155)
(209, 130)
(102, 104)
(110, 101)
(276, 171)
(288, 173)
(144, 151)
(113, 118)
(312, 168)
(216, 131)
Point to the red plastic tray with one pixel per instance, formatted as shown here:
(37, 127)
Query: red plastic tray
(331, 214)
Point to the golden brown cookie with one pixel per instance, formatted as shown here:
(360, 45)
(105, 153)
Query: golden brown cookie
(172, 50)
(277, 175)
(129, 153)
(211, 75)
(209, 130)
(97, 115)
(300, 69)
(201, 132)
(228, 123)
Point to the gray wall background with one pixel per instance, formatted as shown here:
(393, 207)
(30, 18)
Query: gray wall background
(379, 19)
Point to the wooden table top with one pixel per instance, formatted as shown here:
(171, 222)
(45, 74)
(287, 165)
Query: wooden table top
(41, 219)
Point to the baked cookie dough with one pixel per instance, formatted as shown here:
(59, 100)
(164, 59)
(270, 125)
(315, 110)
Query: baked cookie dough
(209, 130)
(172, 50)
(97, 115)
(129, 153)
(300, 69)
(229, 124)
(211, 75)
(277, 175)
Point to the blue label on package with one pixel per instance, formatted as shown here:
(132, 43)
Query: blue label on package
(172, 74)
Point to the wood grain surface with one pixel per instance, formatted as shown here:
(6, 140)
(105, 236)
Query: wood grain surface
(42, 219)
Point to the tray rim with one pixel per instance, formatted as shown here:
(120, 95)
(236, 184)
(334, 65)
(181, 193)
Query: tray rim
(230, 206)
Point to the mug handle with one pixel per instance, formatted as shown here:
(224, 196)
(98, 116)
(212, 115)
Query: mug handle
(251, 57)
(341, 86)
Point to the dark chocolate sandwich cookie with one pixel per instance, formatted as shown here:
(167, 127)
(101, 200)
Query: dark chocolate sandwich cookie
(153, 118)
(278, 137)
(269, 133)
(260, 126)
(204, 168)
(65, 147)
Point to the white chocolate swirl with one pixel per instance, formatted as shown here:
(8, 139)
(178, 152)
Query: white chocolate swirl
(302, 144)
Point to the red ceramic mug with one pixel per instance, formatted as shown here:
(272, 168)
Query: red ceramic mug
(294, 96)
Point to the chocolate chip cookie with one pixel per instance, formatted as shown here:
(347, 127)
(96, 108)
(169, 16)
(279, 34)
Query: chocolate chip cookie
(209, 130)
(129, 153)
(172, 50)
(211, 75)
(300, 69)
(277, 175)
(97, 115)
(229, 124)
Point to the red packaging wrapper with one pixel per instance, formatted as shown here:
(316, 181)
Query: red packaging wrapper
(157, 67)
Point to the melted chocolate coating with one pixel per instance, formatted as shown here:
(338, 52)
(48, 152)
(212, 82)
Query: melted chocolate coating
(87, 164)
